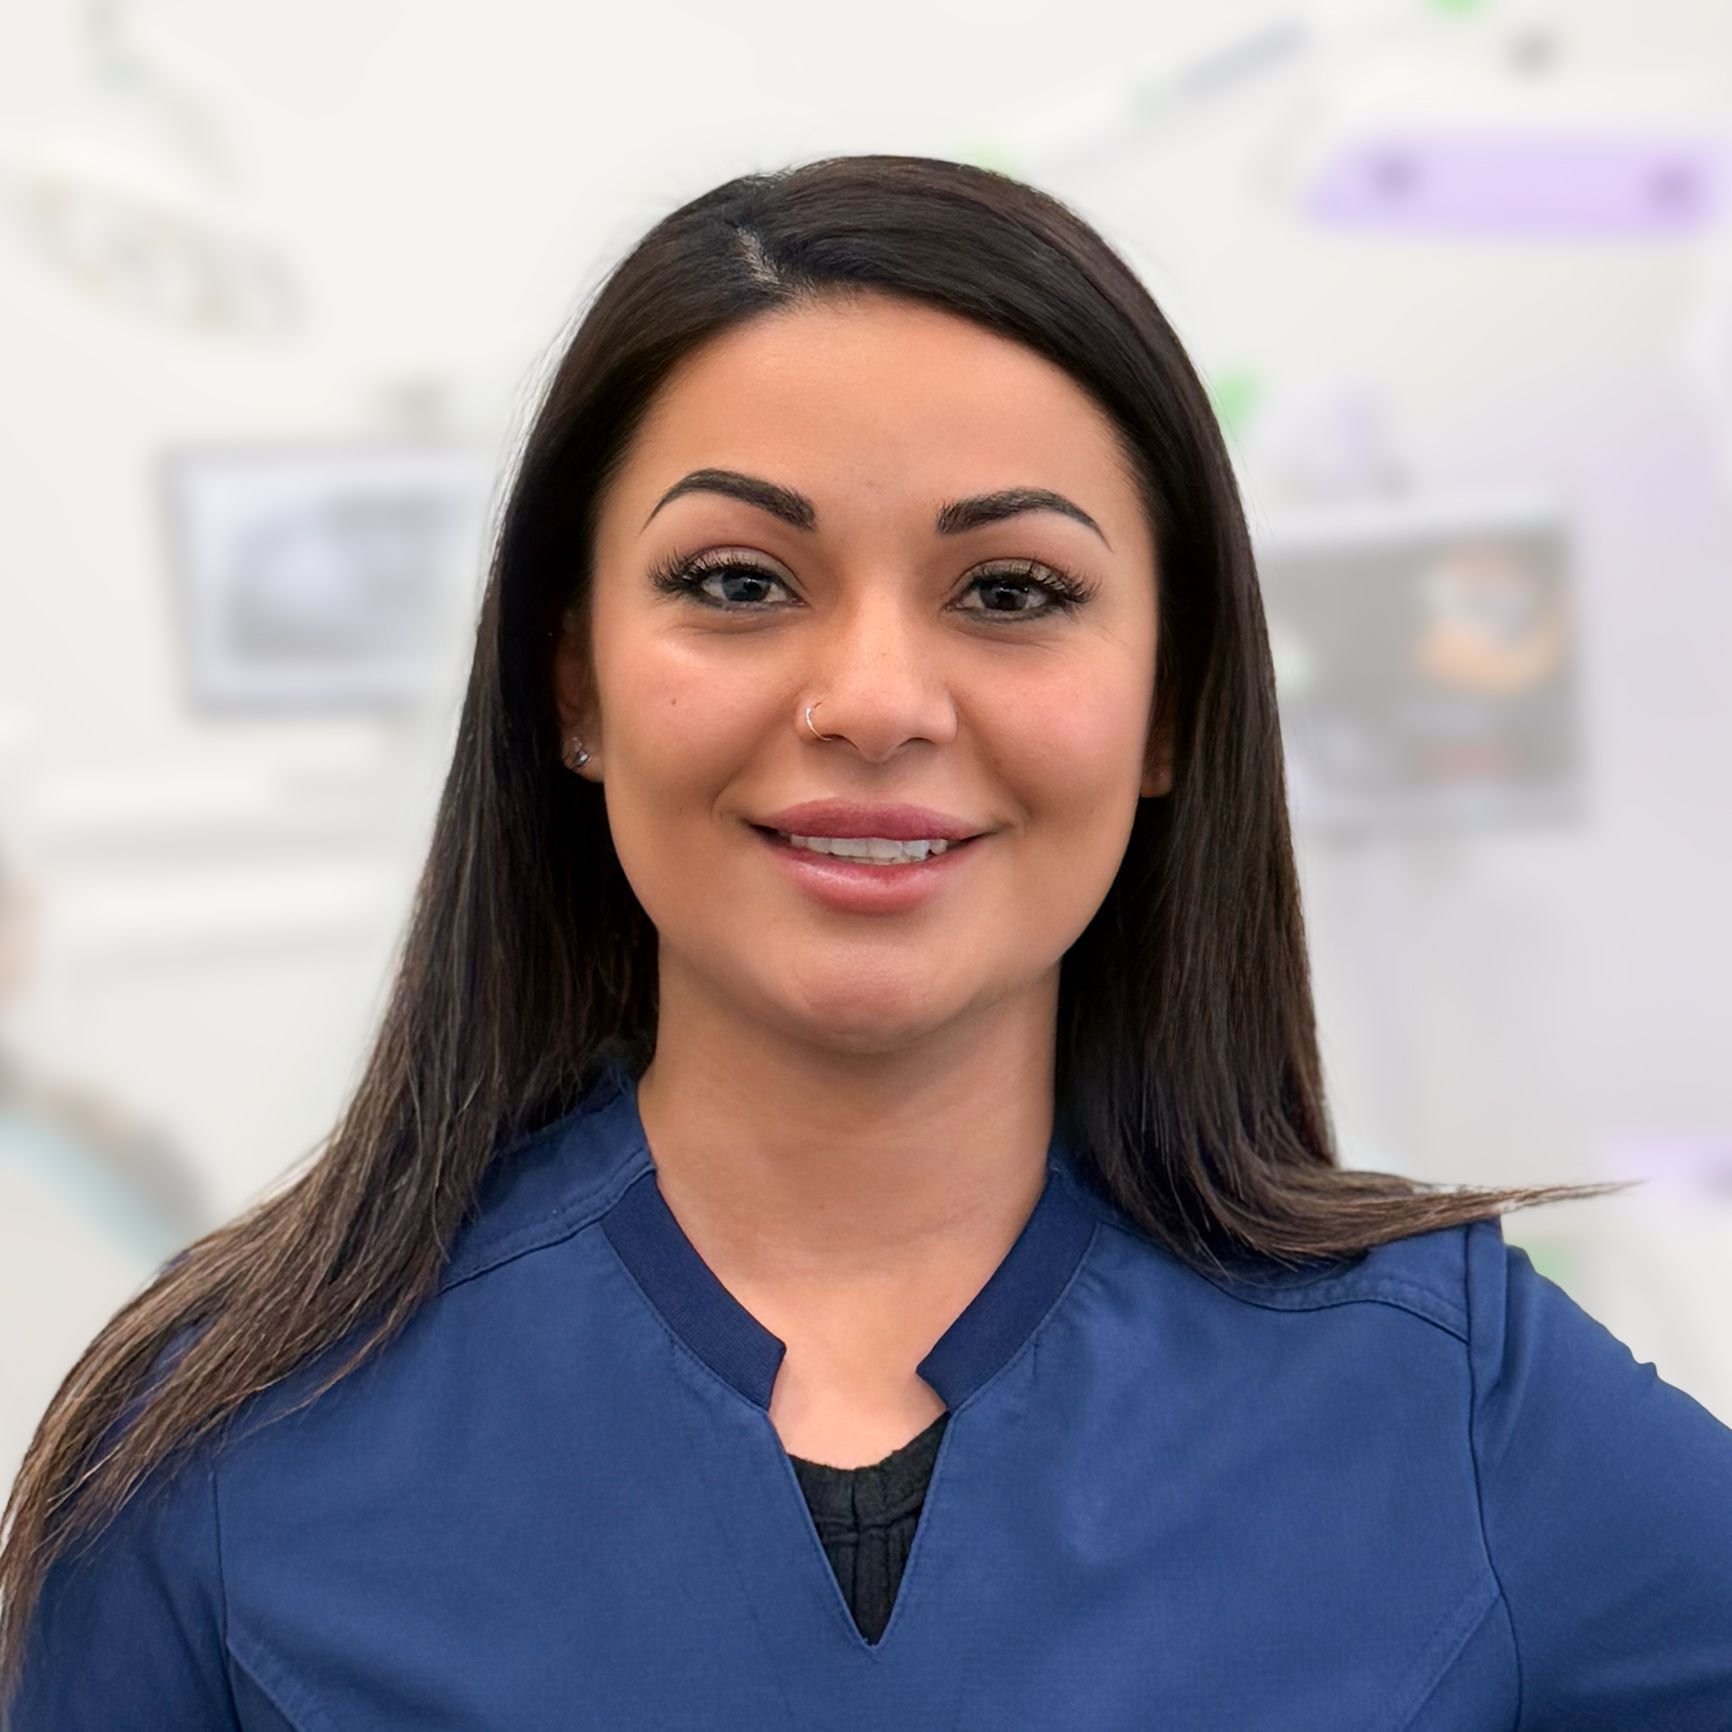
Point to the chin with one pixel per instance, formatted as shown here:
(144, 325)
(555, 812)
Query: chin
(851, 1021)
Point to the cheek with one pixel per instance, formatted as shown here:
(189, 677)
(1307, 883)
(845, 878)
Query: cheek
(678, 719)
(678, 724)
(1074, 759)
(1075, 747)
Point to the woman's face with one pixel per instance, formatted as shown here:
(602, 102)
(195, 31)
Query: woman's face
(947, 678)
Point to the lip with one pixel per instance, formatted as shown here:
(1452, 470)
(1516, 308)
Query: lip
(852, 887)
(895, 823)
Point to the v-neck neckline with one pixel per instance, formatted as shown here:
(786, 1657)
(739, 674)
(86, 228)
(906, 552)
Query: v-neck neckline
(753, 1487)
(747, 1355)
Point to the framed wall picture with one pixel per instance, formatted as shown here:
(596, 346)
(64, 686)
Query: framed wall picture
(322, 577)
(1426, 664)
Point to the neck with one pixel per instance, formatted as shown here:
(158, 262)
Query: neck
(797, 1169)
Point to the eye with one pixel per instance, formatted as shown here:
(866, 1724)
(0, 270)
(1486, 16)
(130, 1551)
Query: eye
(1030, 577)
(693, 576)
(711, 579)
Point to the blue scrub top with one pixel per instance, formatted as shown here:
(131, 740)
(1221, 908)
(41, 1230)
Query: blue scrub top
(1422, 1491)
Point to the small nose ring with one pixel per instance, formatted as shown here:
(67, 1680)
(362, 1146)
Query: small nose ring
(813, 731)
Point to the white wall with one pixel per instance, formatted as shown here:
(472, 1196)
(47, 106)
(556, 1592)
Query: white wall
(221, 899)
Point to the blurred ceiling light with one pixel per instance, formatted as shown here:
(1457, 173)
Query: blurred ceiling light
(1402, 119)
(1521, 148)
(1414, 118)
(120, 208)
(159, 256)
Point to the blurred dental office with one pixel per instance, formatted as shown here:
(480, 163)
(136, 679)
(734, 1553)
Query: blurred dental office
(278, 287)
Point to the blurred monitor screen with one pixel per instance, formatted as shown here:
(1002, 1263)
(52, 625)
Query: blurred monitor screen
(1426, 664)
(323, 577)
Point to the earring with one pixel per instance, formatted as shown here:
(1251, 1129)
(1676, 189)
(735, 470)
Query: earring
(575, 756)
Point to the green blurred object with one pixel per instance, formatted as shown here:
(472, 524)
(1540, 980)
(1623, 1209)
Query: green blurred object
(1558, 1262)
(1235, 394)
(1459, 6)
(993, 156)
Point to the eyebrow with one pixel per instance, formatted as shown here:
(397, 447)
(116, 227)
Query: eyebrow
(956, 517)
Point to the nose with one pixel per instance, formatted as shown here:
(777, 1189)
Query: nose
(880, 680)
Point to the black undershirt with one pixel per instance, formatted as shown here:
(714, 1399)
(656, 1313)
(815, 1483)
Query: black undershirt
(866, 1518)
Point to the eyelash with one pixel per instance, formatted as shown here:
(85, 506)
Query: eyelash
(685, 575)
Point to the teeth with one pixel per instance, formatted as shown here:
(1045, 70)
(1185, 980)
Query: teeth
(876, 850)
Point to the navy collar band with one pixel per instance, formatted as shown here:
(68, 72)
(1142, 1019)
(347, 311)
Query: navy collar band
(744, 1353)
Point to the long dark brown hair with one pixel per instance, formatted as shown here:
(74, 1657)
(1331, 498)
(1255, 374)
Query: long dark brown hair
(1186, 1066)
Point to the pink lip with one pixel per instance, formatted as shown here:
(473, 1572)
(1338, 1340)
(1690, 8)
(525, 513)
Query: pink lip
(854, 888)
(856, 818)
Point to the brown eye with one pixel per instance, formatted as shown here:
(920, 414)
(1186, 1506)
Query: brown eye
(725, 572)
(731, 583)
(1064, 593)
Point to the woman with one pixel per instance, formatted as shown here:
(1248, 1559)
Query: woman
(755, 1286)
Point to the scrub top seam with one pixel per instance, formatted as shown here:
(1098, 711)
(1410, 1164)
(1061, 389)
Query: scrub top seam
(1473, 1397)
(240, 1651)
(491, 1252)
(1336, 1289)
(216, 1527)
(548, 1229)
(1437, 1658)
(281, 1690)
(1423, 1302)
(1399, 1295)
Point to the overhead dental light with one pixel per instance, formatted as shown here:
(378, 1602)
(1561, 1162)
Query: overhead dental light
(134, 203)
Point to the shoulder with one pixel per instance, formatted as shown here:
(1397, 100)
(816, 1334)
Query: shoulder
(1467, 1280)
(1430, 1276)
(129, 1629)
(1442, 1277)
(1508, 1330)
(544, 1188)
(501, 1273)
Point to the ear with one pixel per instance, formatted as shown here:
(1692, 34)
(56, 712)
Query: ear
(574, 695)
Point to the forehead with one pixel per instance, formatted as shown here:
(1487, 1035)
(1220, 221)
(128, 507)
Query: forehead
(881, 398)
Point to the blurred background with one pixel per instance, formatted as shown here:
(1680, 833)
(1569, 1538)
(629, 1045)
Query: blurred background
(278, 288)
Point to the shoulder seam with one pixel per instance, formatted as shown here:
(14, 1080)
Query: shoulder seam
(559, 1224)
(1408, 1296)
(1328, 1291)
(489, 1255)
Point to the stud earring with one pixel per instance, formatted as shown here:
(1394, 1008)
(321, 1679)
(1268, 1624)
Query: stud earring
(575, 756)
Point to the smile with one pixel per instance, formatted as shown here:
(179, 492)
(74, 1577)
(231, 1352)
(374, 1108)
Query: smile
(868, 874)
(873, 850)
